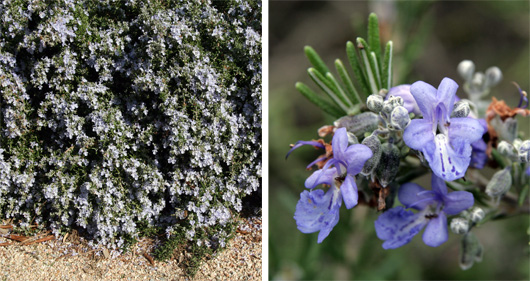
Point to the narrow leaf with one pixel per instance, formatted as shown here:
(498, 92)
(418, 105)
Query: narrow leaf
(340, 92)
(319, 101)
(523, 195)
(328, 87)
(357, 69)
(373, 36)
(376, 69)
(315, 60)
(363, 49)
(345, 77)
(387, 66)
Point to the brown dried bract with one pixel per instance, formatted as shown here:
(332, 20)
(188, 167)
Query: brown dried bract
(501, 109)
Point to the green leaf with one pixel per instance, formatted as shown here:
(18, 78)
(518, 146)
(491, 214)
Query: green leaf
(498, 158)
(315, 60)
(328, 87)
(373, 36)
(358, 71)
(340, 92)
(387, 66)
(345, 77)
(370, 69)
(319, 101)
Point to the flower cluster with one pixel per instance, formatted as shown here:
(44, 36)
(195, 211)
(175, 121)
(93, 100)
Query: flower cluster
(396, 134)
(116, 115)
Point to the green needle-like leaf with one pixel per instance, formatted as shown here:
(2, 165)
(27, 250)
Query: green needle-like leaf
(523, 195)
(345, 77)
(319, 101)
(328, 87)
(370, 68)
(387, 66)
(340, 92)
(358, 71)
(315, 60)
(373, 36)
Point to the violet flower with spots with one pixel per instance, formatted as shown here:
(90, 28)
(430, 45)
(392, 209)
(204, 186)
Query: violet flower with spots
(319, 211)
(445, 142)
(398, 226)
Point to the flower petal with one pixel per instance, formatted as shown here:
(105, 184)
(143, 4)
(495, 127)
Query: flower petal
(414, 196)
(409, 102)
(318, 211)
(349, 192)
(436, 231)
(322, 176)
(300, 143)
(438, 185)
(425, 96)
(418, 134)
(448, 161)
(466, 128)
(446, 95)
(397, 227)
(339, 143)
(457, 201)
(357, 155)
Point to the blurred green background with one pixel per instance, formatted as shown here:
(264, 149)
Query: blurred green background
(430, 39)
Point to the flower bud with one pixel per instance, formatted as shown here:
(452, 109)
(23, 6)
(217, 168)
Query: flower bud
(409, 102)
(500, 183)
(493, 76)
(359, 124)
(459, 225)
(466, 68)
(392, 103)
(461, 109)
(507, 150)
(375, 103)
(478, 80)
(388, 164)
(399, 118)
(476, 214)
(352, 139)
(470, 251)
(374, 144)
(524, 151)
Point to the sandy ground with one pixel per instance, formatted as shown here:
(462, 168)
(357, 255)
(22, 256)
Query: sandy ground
(66, 259)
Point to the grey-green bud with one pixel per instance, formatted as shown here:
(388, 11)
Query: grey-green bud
(493, 76)
(392, 103)
(500, 183)
(507, 150)
(352, 139)
(524, 151)
(374, 144)
(466, 68)
(399, 118)
(470, 251)
(375, 103)
(359, 124)
(478, 80)
(388, 164)
(459, 225)
(461, 109)
(476, 214)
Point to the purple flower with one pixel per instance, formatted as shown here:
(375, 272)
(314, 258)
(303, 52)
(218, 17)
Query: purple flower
(478, 149)
(403, 91)
(319, 211)
(397, 226)
(444, 141)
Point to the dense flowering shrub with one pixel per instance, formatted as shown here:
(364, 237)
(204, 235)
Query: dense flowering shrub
(117, 114)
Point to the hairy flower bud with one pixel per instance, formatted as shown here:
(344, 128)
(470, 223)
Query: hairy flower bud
(374, 144)
(461, 109)
(470, 251)
(352, 139)
(388, 164)
(359, 124)
(493, 76)
(476, 214)
(466, 68)
(399, 118)
(375, 103)
(459, 225)
(478, 80)
(500, 183)
(392, 103)
(507, 150)
(524, 151)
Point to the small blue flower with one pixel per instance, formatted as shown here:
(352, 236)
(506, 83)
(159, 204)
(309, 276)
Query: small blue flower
(319, 211)
(444, 141)
(397, 226)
